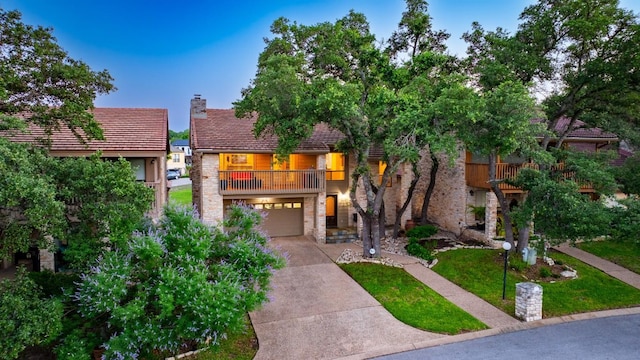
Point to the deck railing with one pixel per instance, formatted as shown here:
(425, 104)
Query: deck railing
(234, 182)
(477, 175)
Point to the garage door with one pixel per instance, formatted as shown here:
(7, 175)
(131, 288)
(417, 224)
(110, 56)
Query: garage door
(284, 217)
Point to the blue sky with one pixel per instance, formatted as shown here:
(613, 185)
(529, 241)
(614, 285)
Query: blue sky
(162, 52)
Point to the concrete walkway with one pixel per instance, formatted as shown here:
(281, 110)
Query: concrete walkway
(608, 267)
(319, 312)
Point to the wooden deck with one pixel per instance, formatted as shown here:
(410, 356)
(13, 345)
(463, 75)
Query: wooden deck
(271, 182)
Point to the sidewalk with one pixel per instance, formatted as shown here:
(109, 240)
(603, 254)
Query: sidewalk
(608, 267)
(319, 312)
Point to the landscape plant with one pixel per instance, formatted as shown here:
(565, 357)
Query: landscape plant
(26, 317)
(180, 284)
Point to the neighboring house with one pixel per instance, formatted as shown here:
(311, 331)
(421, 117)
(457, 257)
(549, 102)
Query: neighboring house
(466, 185)
(183, 144)
(305, 195)
(176, 160)
(138, 135)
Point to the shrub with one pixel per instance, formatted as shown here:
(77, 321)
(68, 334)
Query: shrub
(545, 272)
(422, 231)
(54, 284)
(414, 248)
(25, 318)
(181, 282)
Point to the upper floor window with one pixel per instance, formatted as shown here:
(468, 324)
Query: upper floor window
(176, 158)
(335, 166)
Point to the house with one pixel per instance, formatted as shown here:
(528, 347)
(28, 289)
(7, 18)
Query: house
(183, 144)
(138, 135)
(176, 160)
(305, 194)
(465, 185)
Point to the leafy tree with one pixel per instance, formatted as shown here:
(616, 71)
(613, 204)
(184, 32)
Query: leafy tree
(25, 318)
(178, 135)
(180, 282)
(42, 84)
(579, 57)
(424, 74)
(334, 73)
(103, 202)
(503, 127)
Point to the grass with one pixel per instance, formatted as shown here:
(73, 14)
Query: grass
(181, 195)
(241, 346)
(410, 301)
(480, 272)
(625, 254)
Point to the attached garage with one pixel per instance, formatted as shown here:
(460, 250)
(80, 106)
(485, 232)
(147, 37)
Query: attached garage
(284, 217)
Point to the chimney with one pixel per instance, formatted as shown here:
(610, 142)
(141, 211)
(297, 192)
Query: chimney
(198, 107)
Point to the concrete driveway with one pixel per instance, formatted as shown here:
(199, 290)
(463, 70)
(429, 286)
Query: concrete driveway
(318, 312)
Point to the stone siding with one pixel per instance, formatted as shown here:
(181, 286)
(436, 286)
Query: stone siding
(448, 206)
(212, 207)
(528, 301)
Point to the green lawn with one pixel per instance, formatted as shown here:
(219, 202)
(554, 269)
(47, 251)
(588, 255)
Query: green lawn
(180, 195)
(481, 271)
(242, 346)
(625, 254)
(410, 301)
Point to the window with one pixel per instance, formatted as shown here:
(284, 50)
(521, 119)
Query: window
(176, 158)
(382, 166)
(335, 166)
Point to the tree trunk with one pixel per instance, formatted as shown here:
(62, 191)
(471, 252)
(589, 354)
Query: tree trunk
(435, 164)
(400, 212)
(502, 200)
(383, 222)
(523, 237)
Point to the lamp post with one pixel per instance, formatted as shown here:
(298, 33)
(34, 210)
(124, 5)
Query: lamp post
(506, 246)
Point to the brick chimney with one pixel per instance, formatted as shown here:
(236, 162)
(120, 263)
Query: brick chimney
(198, 107)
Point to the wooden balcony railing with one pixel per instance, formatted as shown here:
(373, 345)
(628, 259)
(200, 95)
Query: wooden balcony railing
(236, 182)
(477, 175)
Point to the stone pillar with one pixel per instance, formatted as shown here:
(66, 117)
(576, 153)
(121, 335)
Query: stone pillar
(212, 210)
(491, 216)
(528, 301)
(47, 260)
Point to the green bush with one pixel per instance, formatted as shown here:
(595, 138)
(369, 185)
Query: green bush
(25, 318)
(181, 282)
(416, 249)
(54, 284)
(545, 272)
(422, 232)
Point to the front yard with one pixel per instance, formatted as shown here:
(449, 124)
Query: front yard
(481, 271)
(625, 254)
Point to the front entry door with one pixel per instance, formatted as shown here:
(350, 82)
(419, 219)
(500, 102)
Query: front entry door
(332, 211)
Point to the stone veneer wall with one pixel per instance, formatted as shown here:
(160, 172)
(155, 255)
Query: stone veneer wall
(212, 207)
(196, 181)
(448, 206)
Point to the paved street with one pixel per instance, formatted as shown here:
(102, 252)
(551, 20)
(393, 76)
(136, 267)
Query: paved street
(602, 338)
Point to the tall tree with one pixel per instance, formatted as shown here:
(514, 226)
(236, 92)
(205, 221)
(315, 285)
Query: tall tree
(334, 73)
(420, 51)
(41, 83)
(579, 59)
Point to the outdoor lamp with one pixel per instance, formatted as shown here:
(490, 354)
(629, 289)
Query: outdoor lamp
(506, 246)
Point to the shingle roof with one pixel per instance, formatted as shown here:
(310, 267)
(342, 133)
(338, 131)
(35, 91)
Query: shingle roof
(124, 129)
(581, 131)
(222, 131)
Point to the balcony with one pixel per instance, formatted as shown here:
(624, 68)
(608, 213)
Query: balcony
(477, 175)
(271, 182)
